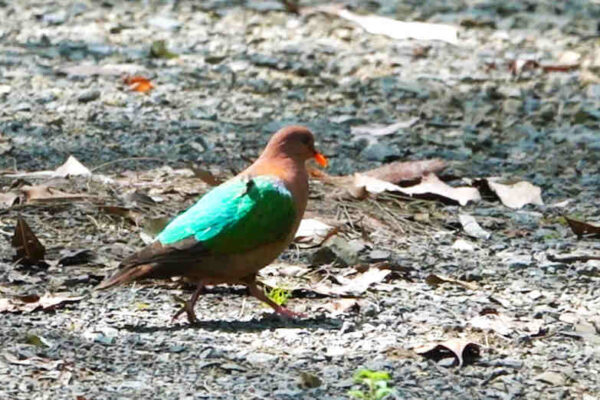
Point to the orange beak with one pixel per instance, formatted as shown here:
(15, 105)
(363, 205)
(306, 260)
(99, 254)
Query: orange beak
(320, 159)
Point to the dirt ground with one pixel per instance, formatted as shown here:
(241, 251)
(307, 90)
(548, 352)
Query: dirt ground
(515, 96)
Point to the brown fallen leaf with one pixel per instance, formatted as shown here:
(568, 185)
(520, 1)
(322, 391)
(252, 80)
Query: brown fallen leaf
(436, 280)
(582, 229)
(9, 199)
(43, 193)
(72, 167)
(138, 83)
(398, 171)
(312, 233)
(432, 186)
(132, 216)
(461, 349)
(516, 195)
(29, 249)
(34, 302)
(206, 176)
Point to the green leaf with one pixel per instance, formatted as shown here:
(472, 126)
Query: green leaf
(358, 394)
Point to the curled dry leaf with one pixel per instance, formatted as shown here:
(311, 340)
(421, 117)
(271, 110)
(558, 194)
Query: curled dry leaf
(43, 194)
(29, 249)
(9, 199)
(382, 130)
(138, 83)
(436, 280)
(516, 195)
(581, 228)
(472, 228)
(313, 232)
(461, 349)
(72, 167)
(432, 186)
(398, 29)
(34, 302)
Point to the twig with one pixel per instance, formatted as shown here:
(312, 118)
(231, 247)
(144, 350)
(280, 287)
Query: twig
(125, 159)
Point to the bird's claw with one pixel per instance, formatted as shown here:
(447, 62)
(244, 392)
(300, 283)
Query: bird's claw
(191, 316)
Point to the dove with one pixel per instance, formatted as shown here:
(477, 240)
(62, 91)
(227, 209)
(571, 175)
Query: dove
(235, 229)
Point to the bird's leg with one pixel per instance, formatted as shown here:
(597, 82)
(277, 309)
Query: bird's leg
(260, 295)
(188, 307)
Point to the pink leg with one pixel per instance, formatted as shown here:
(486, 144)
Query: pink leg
(188, 307)
(260, 295)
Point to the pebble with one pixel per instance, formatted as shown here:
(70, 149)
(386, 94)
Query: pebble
(88, 95)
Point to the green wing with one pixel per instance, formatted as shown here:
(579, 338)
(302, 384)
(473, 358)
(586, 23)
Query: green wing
(236, 216)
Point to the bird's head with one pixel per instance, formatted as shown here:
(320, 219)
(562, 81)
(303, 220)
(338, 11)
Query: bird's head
(296, 142)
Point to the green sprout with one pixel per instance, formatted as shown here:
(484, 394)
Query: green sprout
(279, 295)
(376, 383)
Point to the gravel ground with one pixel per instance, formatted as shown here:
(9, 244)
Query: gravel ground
(518, 96)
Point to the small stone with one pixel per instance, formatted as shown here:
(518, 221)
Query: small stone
(164, 23)
(380, 152)
(88, 95)
(379, 255)
(260, 358)
(512, 106)
(553, 378)
(463, 245)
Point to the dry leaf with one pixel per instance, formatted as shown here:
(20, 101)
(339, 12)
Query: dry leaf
(382, 130)
(432, 186)
(72, 167)
(435, 280)
(34, 302)
(516, 195)
(43, 193)
(398, 29)
(341, 306)
(472, 228)
(352, 287)
(133, 216)
(461, 349)
(374, 185)
(313, 232)
(8, 200)
(206, 176)
(138, 83)
(29, 248)
(581, 228)
(505, 326)
(399, 171)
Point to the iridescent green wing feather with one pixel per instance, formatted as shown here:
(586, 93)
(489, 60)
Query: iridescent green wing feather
(237, 216)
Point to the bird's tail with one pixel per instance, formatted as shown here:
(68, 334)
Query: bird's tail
(127, 275)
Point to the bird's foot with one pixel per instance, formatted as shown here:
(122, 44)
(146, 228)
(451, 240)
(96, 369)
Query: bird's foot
(189, 310)
(286, 312)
